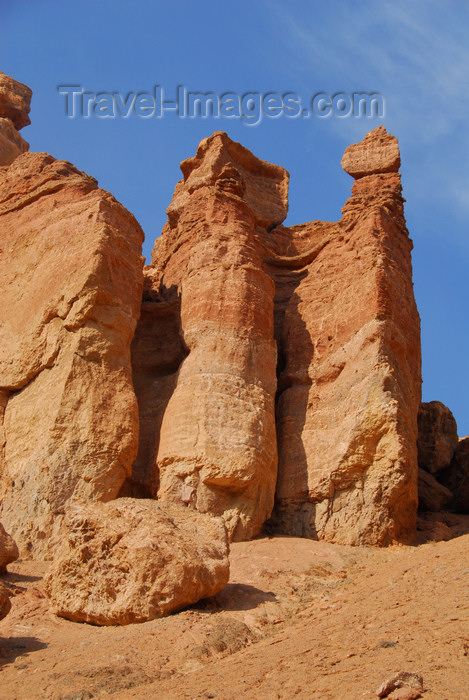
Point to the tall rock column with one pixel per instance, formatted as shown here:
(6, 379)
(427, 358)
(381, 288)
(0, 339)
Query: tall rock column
(349, 376)
(70, 288)
(217, 444)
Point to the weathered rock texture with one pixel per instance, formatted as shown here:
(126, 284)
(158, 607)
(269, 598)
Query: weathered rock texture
(229, 290)
(437, 437)
(8, 549)
(456, 477)
(15, 101)
(277, 370)
(70, 284)
(204, 355)
(5, 604)
(135, 560)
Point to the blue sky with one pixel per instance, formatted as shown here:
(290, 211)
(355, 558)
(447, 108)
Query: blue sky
(415, 54)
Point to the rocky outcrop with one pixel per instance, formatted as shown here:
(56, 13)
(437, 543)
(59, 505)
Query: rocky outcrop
(456, 477)
(347, 329)
(377, 153)
(135, 560)
(15, 101)
(437, 437)
(229, 291)
(207, 389)
(276, 370)
(8, 549)
(71, 284)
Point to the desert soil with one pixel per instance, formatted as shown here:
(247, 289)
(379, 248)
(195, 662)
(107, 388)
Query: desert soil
(299, 619)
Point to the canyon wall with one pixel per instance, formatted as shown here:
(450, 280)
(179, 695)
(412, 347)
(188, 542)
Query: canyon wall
(273, 374)
(71, 285)
(230, 290)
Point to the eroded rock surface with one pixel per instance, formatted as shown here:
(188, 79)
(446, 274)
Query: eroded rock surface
(433, 496)
(348, 333)
(207, 386)
(134, 560)
(15, 101)
(437, 437)
(8, 549)
(5, 604)
(70, 282)
(230, 291)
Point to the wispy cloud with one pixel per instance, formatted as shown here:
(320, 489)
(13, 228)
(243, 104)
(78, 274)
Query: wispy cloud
(415, 53)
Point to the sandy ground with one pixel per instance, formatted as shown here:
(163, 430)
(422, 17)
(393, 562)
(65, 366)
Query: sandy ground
(299, 619)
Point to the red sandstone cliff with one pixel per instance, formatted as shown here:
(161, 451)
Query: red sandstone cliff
(276, 370)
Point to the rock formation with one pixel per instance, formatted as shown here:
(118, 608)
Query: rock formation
(347, 328)
(15, 101)
(204, 355)
(229, 288)
(71, 284)
(456, 477)
(8, 549)
(276, 370)
(135, 560)
(437, 437)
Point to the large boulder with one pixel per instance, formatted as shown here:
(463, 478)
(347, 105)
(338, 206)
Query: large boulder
(377, 153)
(71, 283)
(438, 436)
(135, 560)
(8, 549)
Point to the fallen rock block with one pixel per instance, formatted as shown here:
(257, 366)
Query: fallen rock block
(135, 560)
(401, 680)
(8, 549)
(405, 693)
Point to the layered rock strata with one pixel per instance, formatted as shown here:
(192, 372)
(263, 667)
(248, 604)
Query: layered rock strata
(207, 386)
(230, 290)
(348, 333)
(71, 285)
(277, 370)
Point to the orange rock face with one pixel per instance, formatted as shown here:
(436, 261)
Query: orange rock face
(349, 381)
(229, 290)
(71, 282)
(15, 99)
(274, 371)
(204, 355)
